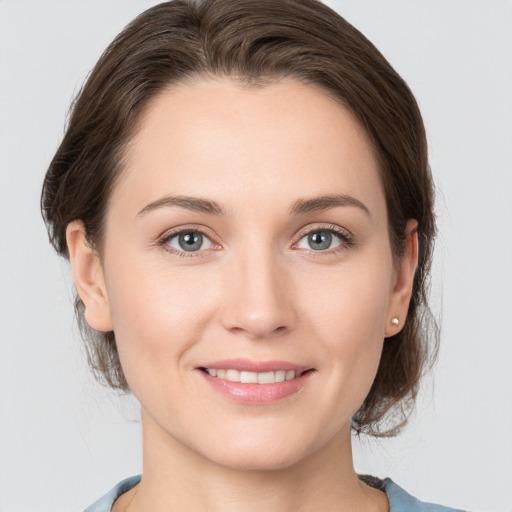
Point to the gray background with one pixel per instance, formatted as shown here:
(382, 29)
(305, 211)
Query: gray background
(64, 441)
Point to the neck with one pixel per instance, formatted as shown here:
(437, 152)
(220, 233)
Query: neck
(177, 478)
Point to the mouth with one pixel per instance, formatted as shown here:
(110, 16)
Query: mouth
(248, 377)
(250, 382)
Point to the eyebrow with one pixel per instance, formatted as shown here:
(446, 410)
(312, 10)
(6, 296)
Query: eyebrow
(195, 204)
(321, 203)
(301, 206)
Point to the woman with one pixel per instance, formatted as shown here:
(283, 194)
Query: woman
(244, 196)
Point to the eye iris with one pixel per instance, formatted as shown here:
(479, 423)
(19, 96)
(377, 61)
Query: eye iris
(320, 240)
(190, 241)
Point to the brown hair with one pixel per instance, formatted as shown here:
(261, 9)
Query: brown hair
(255, 42)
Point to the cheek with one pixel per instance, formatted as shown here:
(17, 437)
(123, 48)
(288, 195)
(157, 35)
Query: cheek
(352, 303)
(157, 314)
(349, 317)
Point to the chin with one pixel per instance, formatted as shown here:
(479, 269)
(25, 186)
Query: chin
(258, 461)
(260, 454)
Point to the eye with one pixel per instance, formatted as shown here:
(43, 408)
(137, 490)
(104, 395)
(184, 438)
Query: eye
(188, 241)
(323, 240)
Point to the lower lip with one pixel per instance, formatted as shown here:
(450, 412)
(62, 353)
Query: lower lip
(256, 393)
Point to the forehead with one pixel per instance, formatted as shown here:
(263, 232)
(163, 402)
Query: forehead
(275, 142)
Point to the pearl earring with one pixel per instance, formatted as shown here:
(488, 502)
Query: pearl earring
(395, 321)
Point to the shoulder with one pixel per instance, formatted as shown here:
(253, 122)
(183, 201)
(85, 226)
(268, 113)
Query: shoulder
(104, 504)
(401, 501)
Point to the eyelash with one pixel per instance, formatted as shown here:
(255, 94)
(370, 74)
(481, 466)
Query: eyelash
(346, 238)
(344, 235)
(163, 241)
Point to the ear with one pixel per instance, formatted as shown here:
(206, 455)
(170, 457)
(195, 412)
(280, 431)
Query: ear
(88, 276)
(404, 280)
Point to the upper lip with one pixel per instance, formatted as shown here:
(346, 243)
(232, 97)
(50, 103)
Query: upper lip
(248, 365)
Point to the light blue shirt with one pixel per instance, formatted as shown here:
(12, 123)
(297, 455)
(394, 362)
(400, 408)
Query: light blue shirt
(399, 500)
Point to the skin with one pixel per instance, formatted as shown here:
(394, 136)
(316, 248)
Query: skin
(258, 291)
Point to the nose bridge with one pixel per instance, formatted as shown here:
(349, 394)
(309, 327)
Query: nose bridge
(258, 298)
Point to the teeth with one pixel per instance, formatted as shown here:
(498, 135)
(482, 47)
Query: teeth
(290, 374)
(249, 377)
(253, 377)
(266, 378)
(233, 375)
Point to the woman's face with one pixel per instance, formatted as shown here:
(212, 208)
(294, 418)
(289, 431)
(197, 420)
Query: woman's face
(246, 240)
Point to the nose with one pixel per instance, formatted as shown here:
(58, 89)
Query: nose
(258, 296)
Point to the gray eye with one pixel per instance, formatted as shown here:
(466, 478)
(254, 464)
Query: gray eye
(189, 241)
(320, 240)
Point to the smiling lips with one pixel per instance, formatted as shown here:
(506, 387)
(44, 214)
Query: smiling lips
(245, 377)
(252, 382)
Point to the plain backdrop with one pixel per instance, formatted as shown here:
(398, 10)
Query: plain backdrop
(65, 441)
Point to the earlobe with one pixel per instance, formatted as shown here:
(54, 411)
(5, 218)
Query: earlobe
(88, 277)
(404, 281)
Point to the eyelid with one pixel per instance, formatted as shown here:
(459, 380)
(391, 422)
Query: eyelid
(346, 236)
(188, 228)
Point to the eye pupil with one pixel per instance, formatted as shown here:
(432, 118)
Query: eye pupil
(320, 240)
(190, 241)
